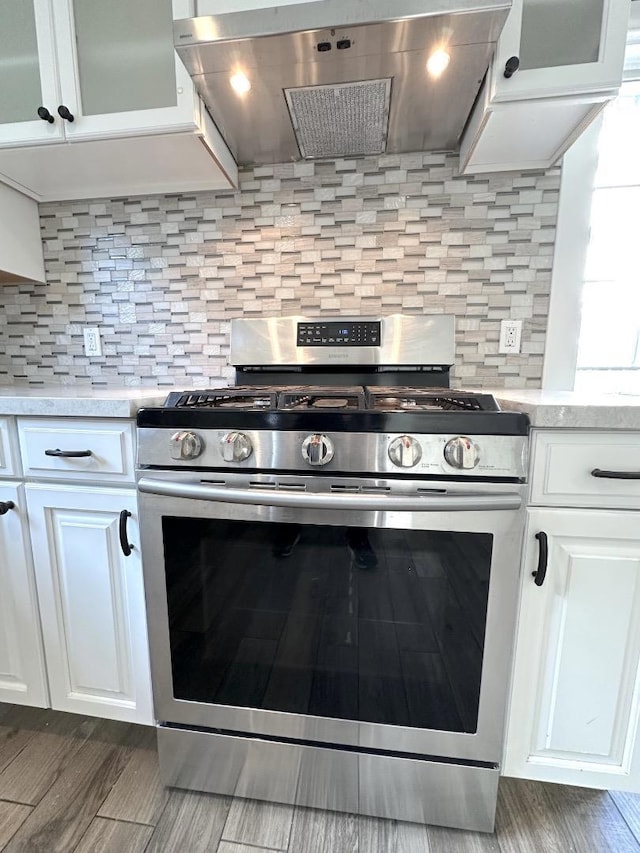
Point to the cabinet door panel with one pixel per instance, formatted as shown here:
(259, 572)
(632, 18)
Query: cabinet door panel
(21, 87)
(28, 73)
(115, 74)
(122, 76)
(574, 708)
(92, 602)
(557, 33)
(22, 676)
(595, 610)
(9, 452)
(585, 46)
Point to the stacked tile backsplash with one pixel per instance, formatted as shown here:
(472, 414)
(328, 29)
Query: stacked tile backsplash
(163, 276)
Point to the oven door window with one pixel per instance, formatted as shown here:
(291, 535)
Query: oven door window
(377, 625)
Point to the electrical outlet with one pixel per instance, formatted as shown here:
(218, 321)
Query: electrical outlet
(510, 335)
(92, 342)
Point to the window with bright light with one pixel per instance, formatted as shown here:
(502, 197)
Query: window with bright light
(609, 347)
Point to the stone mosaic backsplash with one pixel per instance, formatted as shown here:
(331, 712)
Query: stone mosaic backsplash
(163, 276)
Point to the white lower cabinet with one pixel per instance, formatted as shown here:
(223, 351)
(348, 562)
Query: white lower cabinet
(91, 601)
(576, 689)
(22, 673)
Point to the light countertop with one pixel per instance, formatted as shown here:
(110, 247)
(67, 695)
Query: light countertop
(546, 409)
(572, 410)
(77, 401)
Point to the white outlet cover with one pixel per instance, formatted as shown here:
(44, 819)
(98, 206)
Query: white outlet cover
(510, 336)
(92, 342)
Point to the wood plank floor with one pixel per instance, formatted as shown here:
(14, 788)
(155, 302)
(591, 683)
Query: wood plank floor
(71, 784)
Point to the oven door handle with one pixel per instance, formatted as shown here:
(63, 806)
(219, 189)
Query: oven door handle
(461, 502)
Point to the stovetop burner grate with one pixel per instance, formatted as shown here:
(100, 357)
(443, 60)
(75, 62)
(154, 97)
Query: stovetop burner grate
(322, 399)
(229, 398)
(425, 400)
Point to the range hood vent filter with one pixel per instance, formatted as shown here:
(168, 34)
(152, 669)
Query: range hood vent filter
(340, 120)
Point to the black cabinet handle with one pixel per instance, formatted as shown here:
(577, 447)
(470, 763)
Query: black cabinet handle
(68, 454)
(511, 66)
(5, 506)
(615, 475)
(63, 112)
(124, 542)
(543, 558)
(45, 115)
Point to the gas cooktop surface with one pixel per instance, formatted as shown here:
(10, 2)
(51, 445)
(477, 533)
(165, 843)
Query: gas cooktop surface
(344, 399)
(359, 428)
(336, 408)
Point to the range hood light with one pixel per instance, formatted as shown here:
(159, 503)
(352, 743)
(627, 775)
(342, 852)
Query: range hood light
(438, 62)
(240, 83)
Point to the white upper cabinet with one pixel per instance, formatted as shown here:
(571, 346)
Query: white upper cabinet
(565, 47)
(119, 73)
(105, 75)
(110, 68)
(21, 257)
(569, 56)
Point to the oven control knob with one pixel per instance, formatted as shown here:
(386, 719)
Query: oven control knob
(461, 453)
(317, 449)
(185, 445)
(236, 447)
(405, 452)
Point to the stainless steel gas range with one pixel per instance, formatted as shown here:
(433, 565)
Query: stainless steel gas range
(331, 553)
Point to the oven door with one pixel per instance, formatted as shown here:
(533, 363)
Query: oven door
(370, 613)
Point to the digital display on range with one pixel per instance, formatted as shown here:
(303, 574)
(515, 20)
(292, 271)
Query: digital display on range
(361, 333)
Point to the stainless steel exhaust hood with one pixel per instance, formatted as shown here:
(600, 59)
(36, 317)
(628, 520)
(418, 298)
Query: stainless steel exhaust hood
(336, 78)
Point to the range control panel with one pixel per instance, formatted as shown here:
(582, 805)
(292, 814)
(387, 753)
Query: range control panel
(347, 334)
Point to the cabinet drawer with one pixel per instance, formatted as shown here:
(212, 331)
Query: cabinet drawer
(563, 462)
(107, 449)
(9, 455)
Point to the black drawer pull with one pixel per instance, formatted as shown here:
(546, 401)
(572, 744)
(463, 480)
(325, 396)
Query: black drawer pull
(68, 454)
(615, 475)
(5, 506)
(543, 558)
(127, 548)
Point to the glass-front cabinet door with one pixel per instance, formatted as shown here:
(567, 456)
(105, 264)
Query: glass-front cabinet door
(564, 47)
(28, 74)
(119, 73)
